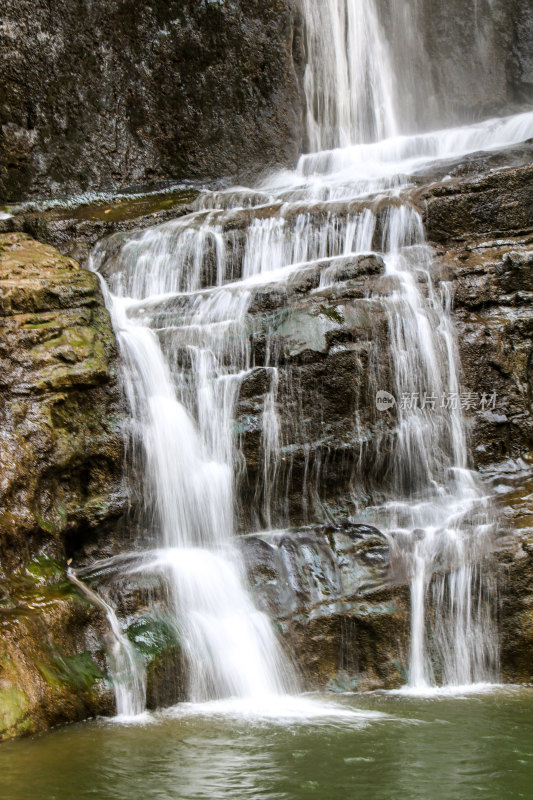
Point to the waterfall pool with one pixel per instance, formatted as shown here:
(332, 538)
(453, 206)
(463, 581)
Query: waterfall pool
(393, 747)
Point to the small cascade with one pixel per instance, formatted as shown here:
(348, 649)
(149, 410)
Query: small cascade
(126, 669)
(437, 516)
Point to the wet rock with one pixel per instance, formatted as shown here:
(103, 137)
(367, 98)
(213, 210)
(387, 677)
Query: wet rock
(475, 164)
(52, 660)
(100, 95)
(494, 319)
(328, 589)
(74, 227)
(61, 406)
(322, 345)
(156, 643)
(485, 227)
(496, 204)
(516, 560)
(61, 483)
(333, 445)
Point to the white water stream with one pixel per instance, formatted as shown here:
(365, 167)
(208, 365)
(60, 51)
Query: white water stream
(127, 671)
(180, 295)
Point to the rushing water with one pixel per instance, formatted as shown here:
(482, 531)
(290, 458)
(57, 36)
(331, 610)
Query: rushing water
(350, 90)
(128, 672)
(443, 749)
(230, 646)
(180, 295)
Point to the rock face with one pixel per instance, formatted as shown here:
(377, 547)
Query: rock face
(326, 329)
(459, 61)
(484, 229)
(343, 615)
(74, 229)
(479, 54)
(101, 94)
(61, 480)
(342, 621)
(494, 317)
(97, 95)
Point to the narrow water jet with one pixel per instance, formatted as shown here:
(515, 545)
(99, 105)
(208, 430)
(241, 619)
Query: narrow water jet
(126, 669)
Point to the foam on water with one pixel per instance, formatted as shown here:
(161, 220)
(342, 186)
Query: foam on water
(437, 692)
(282, 709)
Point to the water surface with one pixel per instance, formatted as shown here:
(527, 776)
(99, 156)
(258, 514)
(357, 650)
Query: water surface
(438, 748)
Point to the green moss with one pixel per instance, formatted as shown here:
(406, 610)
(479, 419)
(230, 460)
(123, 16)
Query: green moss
(73, 337)
(45, 525)
(45, 569)
(40, 583)
(152, 635)
(14, 706)
(332, 313)
(124, 208)
(78, 671)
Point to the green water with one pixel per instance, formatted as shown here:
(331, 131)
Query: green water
(427, 749)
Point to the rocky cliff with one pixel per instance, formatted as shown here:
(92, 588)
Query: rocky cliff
(217, 91)
(61, 481)
(486, 225)
(99, 94)
(330, 585)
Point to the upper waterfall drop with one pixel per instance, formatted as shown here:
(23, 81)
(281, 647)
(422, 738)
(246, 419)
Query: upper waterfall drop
(349, 80)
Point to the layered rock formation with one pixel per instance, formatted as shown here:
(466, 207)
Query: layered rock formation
(343, 621)
(326, 343)
(486, 227)
(218, 92)
(61, 480)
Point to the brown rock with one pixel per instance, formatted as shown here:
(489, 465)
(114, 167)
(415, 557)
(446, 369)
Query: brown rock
(60, 481)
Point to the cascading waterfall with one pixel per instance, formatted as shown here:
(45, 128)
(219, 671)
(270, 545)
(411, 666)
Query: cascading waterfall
(230, 647)
(181, 293)
(438, 518)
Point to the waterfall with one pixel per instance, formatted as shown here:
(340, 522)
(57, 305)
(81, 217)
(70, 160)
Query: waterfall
(349, 80)
(127, 672)
(230, 646)
(181, 296)
(437, 515)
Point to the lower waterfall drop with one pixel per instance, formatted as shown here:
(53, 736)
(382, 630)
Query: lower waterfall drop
(230, 647)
